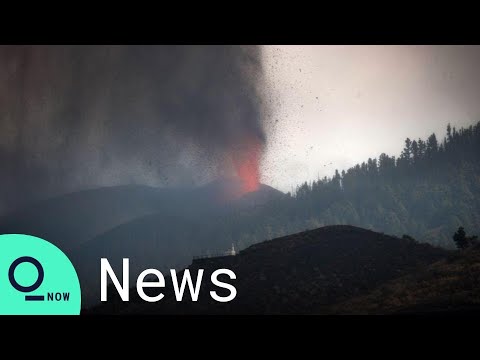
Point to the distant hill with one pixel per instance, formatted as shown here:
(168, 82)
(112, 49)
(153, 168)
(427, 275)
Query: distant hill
(72, 219)
(303, 273)
(160, 226)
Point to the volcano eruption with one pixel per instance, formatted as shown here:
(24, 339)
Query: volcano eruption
(77, 117)
(247, 164)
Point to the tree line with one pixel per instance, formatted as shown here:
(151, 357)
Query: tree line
(428, 191)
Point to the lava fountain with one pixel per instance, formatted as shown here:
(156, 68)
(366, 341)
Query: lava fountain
(246, 161)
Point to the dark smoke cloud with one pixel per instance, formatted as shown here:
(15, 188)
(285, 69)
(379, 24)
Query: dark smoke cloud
(73, 117)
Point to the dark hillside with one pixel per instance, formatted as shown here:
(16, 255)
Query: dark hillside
(301, 273)
(451, 285)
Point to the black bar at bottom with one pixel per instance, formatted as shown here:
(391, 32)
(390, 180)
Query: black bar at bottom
(34, 298)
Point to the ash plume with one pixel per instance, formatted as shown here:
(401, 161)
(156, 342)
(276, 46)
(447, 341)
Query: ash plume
(73, 117)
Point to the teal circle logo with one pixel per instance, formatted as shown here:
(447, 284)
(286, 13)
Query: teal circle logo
(36, 278)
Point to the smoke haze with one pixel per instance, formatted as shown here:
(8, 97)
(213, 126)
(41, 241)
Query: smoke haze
(73, 117)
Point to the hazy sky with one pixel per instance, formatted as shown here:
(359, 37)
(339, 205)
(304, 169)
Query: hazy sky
(343, 104)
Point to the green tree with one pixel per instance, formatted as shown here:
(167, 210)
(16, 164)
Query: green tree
(415, 151)
(422, 148)
(432, 145)
(407, 151)
(462, 240)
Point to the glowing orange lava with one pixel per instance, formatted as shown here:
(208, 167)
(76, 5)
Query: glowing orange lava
(247, 163)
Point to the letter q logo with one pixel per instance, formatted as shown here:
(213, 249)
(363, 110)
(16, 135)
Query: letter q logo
(36, 278)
